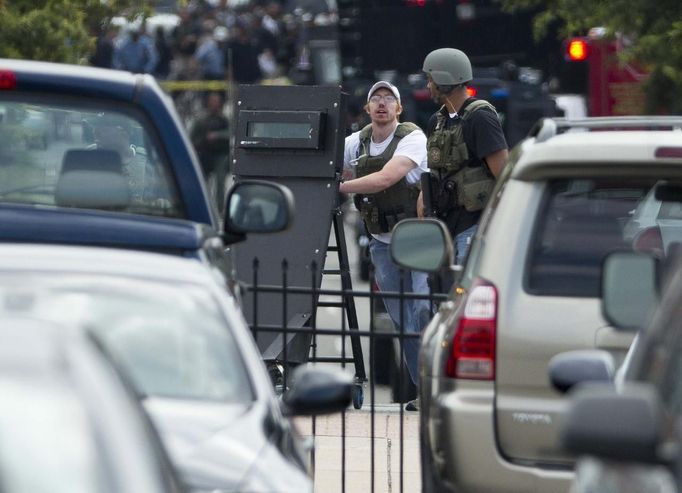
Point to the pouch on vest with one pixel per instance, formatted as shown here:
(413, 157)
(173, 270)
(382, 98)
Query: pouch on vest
(438, 149)
(447, 150)
(459, 152)
(474, 187)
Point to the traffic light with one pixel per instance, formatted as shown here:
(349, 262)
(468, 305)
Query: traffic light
(577, 50)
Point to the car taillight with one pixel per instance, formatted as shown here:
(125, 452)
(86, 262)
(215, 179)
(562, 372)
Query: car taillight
(8, 80)
(472, 91)
(649, 240)
(472, 355)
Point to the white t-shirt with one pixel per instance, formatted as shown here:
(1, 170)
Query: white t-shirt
(412, 146)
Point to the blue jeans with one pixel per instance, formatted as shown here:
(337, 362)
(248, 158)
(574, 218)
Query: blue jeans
(416, 313)
(463, 242)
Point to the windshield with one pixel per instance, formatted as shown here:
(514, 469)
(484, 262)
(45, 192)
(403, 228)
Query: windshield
(66, 153)
(172, 341)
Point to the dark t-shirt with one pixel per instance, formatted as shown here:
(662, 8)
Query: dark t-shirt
(243, 58)
(483, 136)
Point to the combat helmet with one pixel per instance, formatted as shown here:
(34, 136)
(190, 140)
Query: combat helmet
(448, 67)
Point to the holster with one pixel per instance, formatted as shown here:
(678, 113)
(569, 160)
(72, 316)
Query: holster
(428, 185)
(446, 198)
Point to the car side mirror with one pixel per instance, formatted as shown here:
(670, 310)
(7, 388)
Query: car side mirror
(317, 390)
(255, 206)
(566, 370)
(422, 245)
(623, 425)
(629, 289)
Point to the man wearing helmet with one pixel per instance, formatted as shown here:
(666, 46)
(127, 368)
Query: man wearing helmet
(388, 157)
(466, 147)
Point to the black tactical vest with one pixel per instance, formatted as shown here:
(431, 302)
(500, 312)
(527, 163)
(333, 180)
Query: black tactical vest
(461, 181)
(382, 210)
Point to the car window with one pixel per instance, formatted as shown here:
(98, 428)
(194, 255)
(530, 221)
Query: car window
(69, 153)
(671, 210)
(579, 223)
(173, 341)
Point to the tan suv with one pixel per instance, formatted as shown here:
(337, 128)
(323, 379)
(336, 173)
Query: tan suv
(530, 289)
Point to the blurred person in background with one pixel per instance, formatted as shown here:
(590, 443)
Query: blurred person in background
(163, 48)
(103, 56)
(242, 55)
(136, 53)
(210, 137)
(209, 54)
(184, 39)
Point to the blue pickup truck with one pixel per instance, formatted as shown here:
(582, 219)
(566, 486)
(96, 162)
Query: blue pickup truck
(119, 170)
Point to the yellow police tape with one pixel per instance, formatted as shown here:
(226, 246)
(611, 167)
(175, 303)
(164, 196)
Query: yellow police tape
(194, 85)
(214, 85)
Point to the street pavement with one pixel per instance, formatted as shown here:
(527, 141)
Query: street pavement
(346, 465)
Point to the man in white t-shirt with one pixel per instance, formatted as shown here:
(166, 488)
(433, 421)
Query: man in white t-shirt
(387, 158)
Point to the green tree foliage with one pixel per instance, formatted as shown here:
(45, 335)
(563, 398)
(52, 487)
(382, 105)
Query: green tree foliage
(654, 26)
(55, 30)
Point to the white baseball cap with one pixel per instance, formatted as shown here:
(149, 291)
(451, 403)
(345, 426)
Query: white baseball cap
(387, 85)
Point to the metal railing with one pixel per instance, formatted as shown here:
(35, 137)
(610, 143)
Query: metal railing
(389, 439)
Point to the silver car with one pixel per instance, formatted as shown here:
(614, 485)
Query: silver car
(625, 427)
(68, 421)
(530, 289)
(183, 342)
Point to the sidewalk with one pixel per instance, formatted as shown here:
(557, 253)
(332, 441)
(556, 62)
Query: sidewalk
(329, 463)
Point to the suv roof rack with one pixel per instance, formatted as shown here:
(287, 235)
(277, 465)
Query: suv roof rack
(546, 128)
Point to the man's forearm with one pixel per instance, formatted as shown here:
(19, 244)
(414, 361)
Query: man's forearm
(496, 161)
(373, 183)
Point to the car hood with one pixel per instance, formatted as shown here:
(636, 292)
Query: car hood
(81, 227)
(224, 447)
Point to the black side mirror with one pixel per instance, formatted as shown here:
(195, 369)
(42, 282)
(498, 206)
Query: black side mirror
(566, 370)
(317, 390)
(255, 206)
(623, 425)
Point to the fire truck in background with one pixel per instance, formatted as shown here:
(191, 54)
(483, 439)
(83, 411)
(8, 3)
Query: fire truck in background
(612, 85)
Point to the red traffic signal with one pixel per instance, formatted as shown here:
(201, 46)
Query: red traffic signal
(577, 50)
